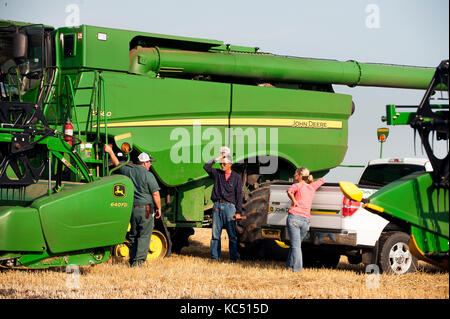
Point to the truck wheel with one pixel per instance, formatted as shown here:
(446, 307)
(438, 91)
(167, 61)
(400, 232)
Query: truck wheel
(249, 230)
(394, 256)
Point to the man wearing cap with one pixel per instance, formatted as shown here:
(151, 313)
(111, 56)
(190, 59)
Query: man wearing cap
(146, 200)
(227, 198)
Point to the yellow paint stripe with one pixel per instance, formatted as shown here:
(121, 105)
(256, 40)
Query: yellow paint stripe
(295, 123)
(122, 136)
(374, 207)
(182, 122)
(318, 212)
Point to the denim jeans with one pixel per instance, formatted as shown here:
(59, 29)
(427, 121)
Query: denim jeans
(223, 217)
(298, 227)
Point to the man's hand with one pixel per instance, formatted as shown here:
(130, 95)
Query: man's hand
(109, 150)
(158, 213)
(157, 201)
(238, 216)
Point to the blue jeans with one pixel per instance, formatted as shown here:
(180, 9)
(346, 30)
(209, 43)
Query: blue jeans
(223, 217)
(298, 227)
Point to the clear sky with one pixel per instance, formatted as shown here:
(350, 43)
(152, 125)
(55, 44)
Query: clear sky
(409, 32)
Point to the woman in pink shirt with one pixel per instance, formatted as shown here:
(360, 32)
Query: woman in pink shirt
(301, 195)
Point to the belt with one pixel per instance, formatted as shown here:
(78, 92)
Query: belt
(148, 209)
(224, 201)
(140, 206)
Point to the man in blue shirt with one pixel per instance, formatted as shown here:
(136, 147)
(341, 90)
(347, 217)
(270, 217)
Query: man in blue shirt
(146, 204)
(227, 198)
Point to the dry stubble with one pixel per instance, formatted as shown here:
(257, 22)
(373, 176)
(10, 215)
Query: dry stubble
(192, 275)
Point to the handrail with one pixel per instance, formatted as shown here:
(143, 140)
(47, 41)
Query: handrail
(18, 84)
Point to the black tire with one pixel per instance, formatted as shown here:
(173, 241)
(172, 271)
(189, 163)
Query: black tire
(250, 241)
(251, 244)
(180, 238)
(394, 256)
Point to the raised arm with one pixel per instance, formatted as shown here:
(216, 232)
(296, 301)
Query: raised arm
(115, 160)
(212, 172)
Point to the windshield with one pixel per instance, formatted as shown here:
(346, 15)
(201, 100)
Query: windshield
(383, 174)
(21, 60)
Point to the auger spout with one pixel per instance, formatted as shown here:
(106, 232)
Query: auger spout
(268, 67)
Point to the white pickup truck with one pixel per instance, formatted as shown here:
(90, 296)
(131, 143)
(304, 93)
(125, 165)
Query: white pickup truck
(342, 227)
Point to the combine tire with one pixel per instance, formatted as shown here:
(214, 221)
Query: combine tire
(180, 238)
(159, 246)
(251, 244)
(248, 230)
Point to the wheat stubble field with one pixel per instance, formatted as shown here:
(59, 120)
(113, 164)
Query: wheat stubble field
(192, 275)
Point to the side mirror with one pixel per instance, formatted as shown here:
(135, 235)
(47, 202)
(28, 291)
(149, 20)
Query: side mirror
(351, 191)
(20, 45)
(124, 142)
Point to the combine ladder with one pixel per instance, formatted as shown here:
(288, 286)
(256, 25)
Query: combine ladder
(91, 96)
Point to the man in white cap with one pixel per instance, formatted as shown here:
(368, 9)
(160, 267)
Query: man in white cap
(146, 204)
(227, 198)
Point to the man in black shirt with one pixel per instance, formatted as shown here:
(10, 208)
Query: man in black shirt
(227, 198)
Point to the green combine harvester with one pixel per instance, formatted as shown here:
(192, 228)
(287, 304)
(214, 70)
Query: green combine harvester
(420, 202)
(66, 92)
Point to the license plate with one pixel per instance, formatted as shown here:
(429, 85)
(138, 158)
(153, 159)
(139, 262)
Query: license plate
(271, 233)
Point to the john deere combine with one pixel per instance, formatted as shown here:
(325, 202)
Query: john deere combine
(180, 99)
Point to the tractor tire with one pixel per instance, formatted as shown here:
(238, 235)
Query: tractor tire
(394, 256)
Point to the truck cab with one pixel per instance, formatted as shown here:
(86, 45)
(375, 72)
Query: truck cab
(380, 172)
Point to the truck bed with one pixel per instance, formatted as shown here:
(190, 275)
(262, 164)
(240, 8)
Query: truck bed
(326, 210)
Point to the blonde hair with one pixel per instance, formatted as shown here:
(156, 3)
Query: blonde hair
(302, 171)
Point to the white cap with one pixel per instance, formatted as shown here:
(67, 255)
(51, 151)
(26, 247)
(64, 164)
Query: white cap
(225, 149)
(144, 157)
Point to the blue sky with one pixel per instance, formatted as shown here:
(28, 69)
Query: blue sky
(409, 32)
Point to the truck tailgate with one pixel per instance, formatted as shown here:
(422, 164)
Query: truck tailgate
(325, 212)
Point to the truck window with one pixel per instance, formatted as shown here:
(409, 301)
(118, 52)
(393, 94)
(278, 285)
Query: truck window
(383, 174)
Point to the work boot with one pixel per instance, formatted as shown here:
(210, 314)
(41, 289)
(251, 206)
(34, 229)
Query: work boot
(137, 263)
